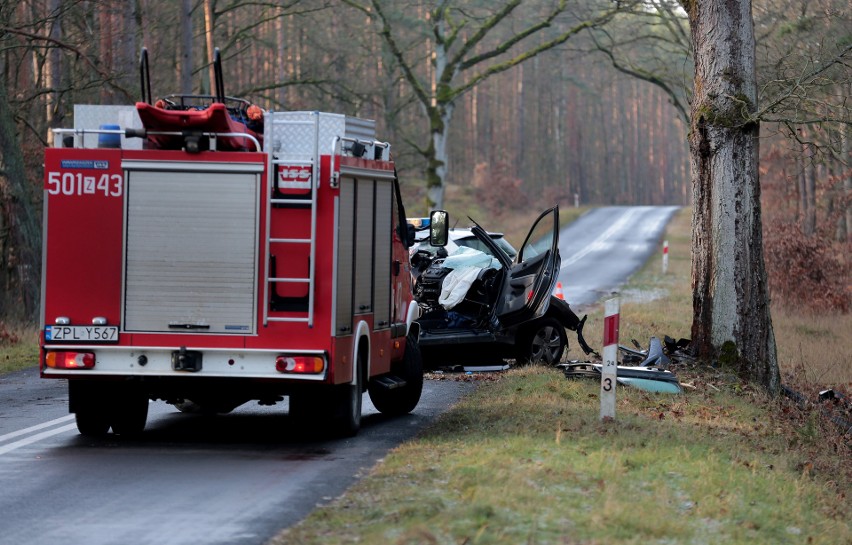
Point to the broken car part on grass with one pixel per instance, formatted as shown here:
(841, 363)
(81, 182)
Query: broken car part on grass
(649, 372)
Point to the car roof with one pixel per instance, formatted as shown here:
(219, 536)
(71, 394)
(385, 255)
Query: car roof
(455, 234)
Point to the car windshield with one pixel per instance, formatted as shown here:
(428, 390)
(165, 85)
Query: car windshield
(476, 244)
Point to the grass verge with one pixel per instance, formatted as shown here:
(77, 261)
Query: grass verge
(524, 459)
(18, 348)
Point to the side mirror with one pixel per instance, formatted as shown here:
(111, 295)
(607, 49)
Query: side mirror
(439, 221)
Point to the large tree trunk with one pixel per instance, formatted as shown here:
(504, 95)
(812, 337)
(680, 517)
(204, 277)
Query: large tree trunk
(731, 319)
(208, 34)
(54, 112)
(437, 155)
(440, 113)
(846, 157)
(20, 237)
(186, 47)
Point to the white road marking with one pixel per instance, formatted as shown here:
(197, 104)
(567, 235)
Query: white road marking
(599, 242)
(37, 427)
(36, 438)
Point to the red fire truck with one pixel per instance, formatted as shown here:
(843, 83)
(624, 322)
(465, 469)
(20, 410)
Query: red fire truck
(204, 265)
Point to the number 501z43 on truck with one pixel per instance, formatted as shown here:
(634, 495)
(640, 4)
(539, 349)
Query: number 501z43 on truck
(205, 253)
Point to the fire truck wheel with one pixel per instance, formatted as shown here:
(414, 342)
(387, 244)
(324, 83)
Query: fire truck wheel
(402, 399)
(543, 343)
(335, 410)
(89, 402)
(92, 422)
(131, 413)
(347, 398)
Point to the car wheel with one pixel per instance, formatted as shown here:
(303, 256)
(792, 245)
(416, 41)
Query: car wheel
(544, 342)
(402, 399)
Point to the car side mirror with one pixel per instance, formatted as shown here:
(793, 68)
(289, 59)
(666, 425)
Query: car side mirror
(438, 227)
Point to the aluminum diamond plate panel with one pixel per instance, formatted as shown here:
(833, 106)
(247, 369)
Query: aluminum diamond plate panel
(92, 116)
(293, 136)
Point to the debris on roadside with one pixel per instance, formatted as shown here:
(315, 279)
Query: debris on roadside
(646, 370)
(463, 376)
(649, 379)
(831, 404)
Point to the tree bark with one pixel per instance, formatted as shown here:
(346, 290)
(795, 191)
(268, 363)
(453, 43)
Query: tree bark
(54, 111)
(186, 47)
(731, 315)
(208, 33)
(20, 238)
(106, 21)
(808, 188)
(846, 159)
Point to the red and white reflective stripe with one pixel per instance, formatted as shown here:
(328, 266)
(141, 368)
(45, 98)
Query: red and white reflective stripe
(609, 369)
(665, 256)
(611, 324)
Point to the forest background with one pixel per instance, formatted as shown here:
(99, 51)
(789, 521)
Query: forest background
(602, 117)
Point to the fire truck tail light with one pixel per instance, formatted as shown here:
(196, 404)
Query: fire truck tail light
(70, 360)
(299, 364)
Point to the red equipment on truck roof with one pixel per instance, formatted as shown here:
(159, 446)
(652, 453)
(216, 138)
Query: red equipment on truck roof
(207, 278)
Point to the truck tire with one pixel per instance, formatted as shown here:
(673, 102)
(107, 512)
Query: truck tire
(131, 413)
(403, 399)
(543, 342)
(90, 404)
(347, 419)
(92, 422)
(336, 410)
(346, 400)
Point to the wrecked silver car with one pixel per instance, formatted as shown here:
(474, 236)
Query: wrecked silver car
(481, 307)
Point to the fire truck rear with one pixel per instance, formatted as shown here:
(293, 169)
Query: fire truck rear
(208, 278)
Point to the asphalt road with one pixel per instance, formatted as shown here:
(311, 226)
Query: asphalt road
(237, 478)
(190, 479)
(605, 246)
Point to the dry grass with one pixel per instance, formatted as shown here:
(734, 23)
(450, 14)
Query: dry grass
(18, 348)
(814, 350)
(525, 459)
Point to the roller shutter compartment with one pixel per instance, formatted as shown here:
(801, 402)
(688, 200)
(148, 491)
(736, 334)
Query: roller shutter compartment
(191, 252)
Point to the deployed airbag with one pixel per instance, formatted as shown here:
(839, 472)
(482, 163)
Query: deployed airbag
(456, 284)
(470, 257)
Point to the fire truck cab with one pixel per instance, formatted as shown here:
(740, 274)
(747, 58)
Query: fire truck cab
(207, 269)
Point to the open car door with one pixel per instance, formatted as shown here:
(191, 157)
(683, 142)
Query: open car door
(530, 279)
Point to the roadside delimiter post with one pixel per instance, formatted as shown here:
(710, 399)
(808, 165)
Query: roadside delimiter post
(609, 368)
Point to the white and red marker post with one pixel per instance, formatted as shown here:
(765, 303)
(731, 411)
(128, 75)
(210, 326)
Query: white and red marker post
(665, 256)
(609, 369)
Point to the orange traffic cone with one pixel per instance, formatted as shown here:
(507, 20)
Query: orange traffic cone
(558, 291)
